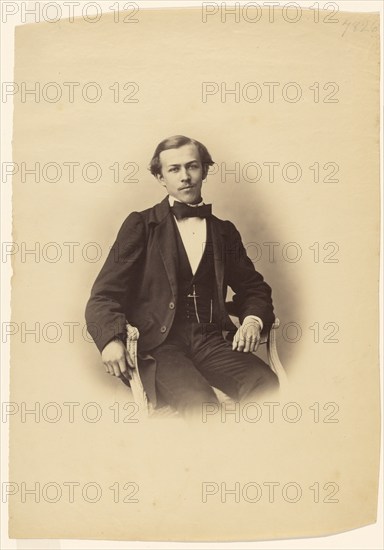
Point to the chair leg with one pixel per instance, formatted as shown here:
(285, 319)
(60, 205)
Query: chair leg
(273, 357)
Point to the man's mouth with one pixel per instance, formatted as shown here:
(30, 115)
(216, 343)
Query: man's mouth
(186, 187)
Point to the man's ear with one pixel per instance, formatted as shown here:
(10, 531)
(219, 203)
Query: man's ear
(160, 178)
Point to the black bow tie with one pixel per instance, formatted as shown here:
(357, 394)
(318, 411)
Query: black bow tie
(182, 210)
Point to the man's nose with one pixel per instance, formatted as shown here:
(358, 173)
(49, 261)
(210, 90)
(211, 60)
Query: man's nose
(184, 174)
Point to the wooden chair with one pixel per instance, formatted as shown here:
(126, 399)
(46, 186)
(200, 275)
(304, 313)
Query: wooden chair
(141, 398)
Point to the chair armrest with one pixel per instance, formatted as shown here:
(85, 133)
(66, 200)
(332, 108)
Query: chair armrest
(136, 384)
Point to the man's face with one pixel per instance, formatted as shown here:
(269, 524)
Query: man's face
(182, 173)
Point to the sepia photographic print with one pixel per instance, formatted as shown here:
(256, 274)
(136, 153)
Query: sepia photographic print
(191, 260)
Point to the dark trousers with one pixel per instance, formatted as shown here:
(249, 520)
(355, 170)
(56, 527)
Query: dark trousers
(195, 357)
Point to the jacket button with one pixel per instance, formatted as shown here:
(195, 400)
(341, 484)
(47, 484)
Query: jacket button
(163, 328)
(171, 305)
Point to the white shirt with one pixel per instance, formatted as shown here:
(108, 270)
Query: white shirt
(193, 233)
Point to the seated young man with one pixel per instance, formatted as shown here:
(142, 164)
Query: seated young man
(167, 274)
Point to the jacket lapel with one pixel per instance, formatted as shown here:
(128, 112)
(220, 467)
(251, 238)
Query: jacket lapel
(165, 237)
(218, 249)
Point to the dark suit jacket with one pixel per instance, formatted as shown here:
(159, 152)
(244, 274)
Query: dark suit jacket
(138, 282)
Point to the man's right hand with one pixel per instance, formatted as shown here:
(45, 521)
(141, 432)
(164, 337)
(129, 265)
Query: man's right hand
(116, 360)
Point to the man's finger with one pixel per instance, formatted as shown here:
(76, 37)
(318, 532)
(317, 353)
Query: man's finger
(116, 368)
(240, 347)
(235, 340)
(122, 365)
(253, 345)
(248, 344)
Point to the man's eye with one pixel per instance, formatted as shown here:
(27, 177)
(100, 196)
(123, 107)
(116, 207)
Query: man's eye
(174, 169)
(194, 166)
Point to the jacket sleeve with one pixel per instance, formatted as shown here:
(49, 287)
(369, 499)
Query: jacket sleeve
(253, 296)
(105, 311)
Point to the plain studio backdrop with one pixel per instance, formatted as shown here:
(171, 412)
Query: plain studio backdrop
(311, 228)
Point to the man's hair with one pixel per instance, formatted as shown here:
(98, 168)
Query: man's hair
(175, 142)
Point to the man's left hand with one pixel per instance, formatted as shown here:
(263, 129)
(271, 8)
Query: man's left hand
(247, 337)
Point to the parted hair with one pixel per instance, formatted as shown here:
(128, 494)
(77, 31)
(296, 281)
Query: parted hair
(175, 142)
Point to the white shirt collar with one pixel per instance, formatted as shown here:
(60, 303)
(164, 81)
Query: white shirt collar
(173, 199)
